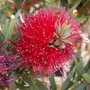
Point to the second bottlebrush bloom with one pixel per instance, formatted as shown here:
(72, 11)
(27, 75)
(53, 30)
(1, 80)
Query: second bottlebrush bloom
(7, 65)
(47, 40)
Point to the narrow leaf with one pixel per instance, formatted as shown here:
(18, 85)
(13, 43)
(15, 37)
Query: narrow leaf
(1, 37)
(80, 86)
(86, 76)
(52, 82)
(67, 83)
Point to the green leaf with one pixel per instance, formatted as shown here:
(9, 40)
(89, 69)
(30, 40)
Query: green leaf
(51, 2)
(79, 67)
(18, 3)
(41, 86)
(30, 83)
(21, 87)
(86, 76)
(75, 5)
(52, 82)
(83, 8)
(1, 37)
(68, 86)
(80, 86)
(64, 2)
(5, 6)
(87, 67)
(35, 84)
(9, 26)
(68, 81)
(43, 1)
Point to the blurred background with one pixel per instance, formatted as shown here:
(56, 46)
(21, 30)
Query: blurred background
(78, 9)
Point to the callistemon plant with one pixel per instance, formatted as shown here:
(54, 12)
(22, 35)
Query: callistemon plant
(46, 40)
(7, 65)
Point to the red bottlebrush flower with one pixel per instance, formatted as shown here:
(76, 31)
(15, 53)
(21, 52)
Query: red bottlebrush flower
(40, 26)
(46, 40)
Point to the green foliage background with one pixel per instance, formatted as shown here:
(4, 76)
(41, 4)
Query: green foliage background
(79, 76)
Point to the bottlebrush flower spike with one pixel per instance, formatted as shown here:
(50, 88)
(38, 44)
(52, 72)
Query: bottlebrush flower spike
(3, 80)
(40, 25)
(7, 65)
(46, 40)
